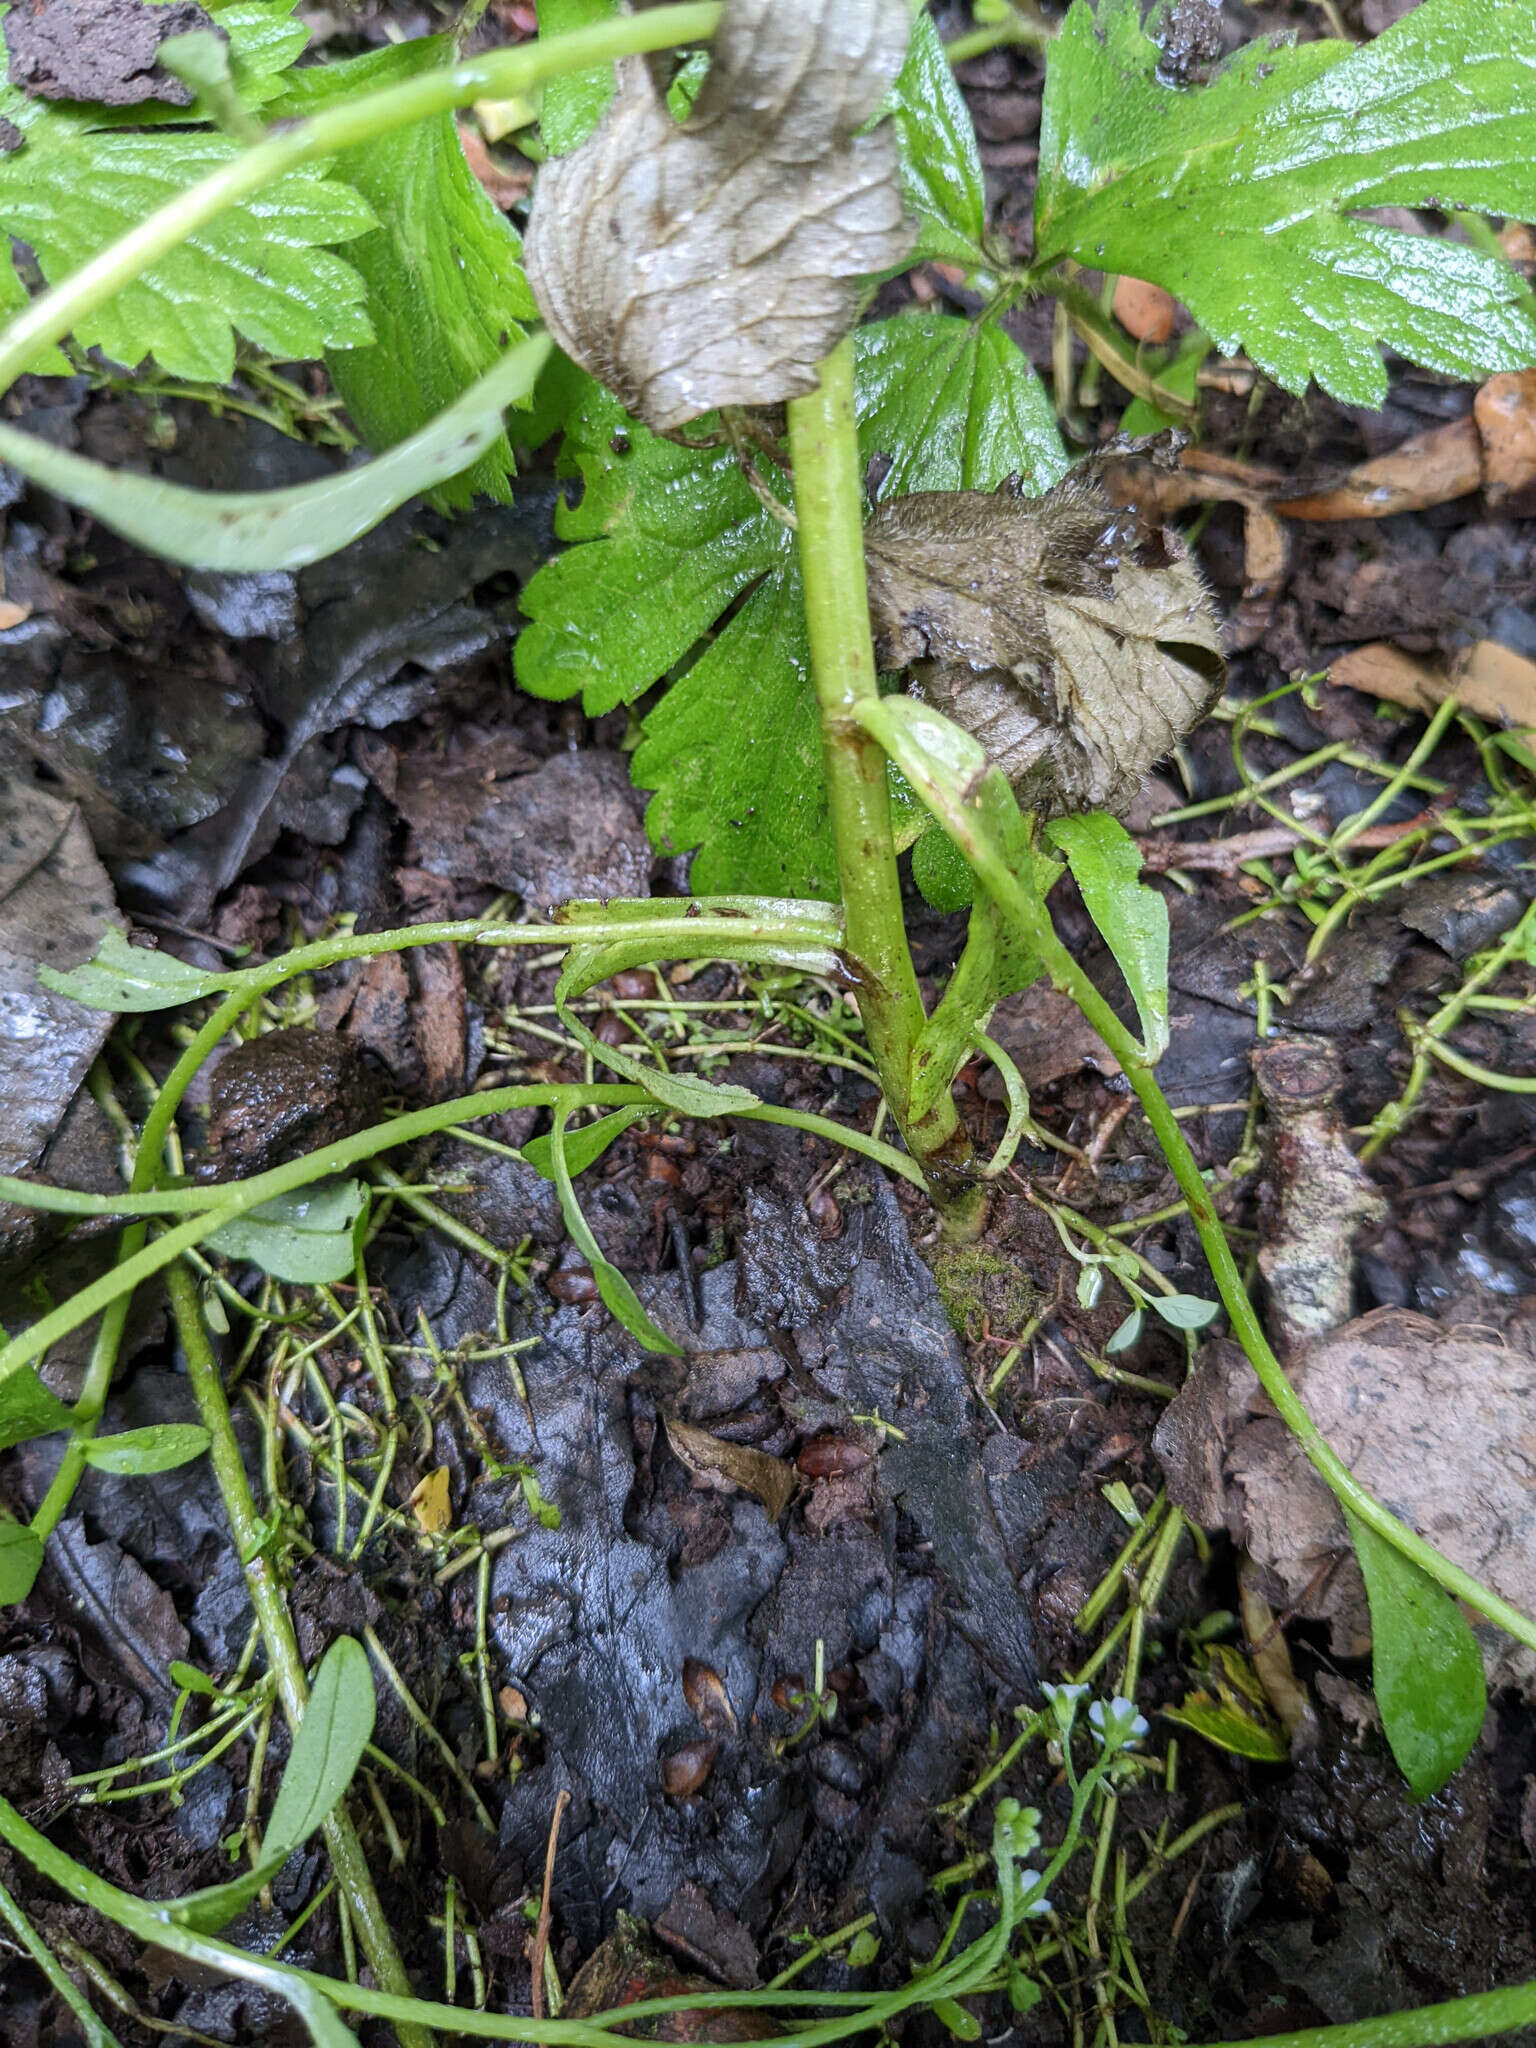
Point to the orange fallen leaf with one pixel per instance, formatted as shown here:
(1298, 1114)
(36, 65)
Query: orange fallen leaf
(1144, 310)
(1505, 412)
(1489, 679)
(1427, 469)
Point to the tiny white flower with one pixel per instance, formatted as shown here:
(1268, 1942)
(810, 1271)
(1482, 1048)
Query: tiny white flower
(1117, 1723)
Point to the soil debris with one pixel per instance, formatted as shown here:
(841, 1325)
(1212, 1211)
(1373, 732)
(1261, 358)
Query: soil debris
(103, 50)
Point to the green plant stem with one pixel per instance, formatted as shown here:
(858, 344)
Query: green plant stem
(1035, 925)
(234, 1198)
(97, 2034)
(824, 449)
(109, 1337)
(500, 74)
(276, 1624)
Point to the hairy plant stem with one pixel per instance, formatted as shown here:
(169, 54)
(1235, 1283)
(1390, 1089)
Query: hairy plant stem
(824, 448)
(276, 1624)
(498, 75)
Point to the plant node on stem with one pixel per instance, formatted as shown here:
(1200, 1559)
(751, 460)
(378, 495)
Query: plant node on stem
(824, 449)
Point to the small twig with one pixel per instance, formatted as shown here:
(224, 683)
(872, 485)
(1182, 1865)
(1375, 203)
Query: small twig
(1226, 856)
(541, 1932)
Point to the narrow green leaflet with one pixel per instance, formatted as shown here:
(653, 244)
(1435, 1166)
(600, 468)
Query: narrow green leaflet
(159, 1448)
(131, 979)
(1426, 1668)
(282, 529)
(264, 269)
(333, 1732)
(1106, 865)
(27, 1408)
(1185, 1311)
(585, 1145)
(21, 1559)
(686, 1093)
(954, 405)
(620, 1299)
(940, 168)
(572, 105)
(443, 268)
(1244, 198)
(308, 1237)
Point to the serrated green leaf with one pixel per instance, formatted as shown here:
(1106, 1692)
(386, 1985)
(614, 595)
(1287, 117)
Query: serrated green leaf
(954, 407)
(286, 528)
(333, 1732)
(28, 1409)
(1133, 919)
(941, 174)
(131, 979)
(734, 754)
(443, 268)
(309, 1237)
(1426, 1668)
(21, 1559)
(1244, 197)
(160, 1447)
(674, 534)
(572, 105)
(262, 268)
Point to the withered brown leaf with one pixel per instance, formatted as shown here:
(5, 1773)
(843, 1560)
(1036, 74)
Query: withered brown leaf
(1076, 642)
(714, 261)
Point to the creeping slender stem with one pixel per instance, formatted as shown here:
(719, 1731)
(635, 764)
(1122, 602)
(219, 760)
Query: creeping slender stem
(276, 1624)
(824, 447)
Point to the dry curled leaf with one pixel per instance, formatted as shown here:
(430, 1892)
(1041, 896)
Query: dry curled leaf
(728, 1467)
(1075, 641)
(714, 261)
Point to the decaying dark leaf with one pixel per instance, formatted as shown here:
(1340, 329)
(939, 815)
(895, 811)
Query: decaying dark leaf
(1076, 641)
(714, 261)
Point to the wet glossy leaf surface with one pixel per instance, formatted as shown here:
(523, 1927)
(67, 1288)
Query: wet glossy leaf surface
(1244, 198)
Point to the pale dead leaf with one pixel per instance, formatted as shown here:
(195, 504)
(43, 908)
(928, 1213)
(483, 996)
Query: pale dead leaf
(1491, 680)
(429, 1503)
(1427, 469)
(715, 261)
(1075, 642)
(731, 1468)
(1440, 1423)
(1505, 412)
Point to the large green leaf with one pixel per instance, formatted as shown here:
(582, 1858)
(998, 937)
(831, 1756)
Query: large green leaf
(443, 268)
(733, 752)
(263, 268)
(954, 405)
(250, 530)
(571, 105)
(1426, 1668)
(940, 169)
(673, 535)
(1245, 197)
